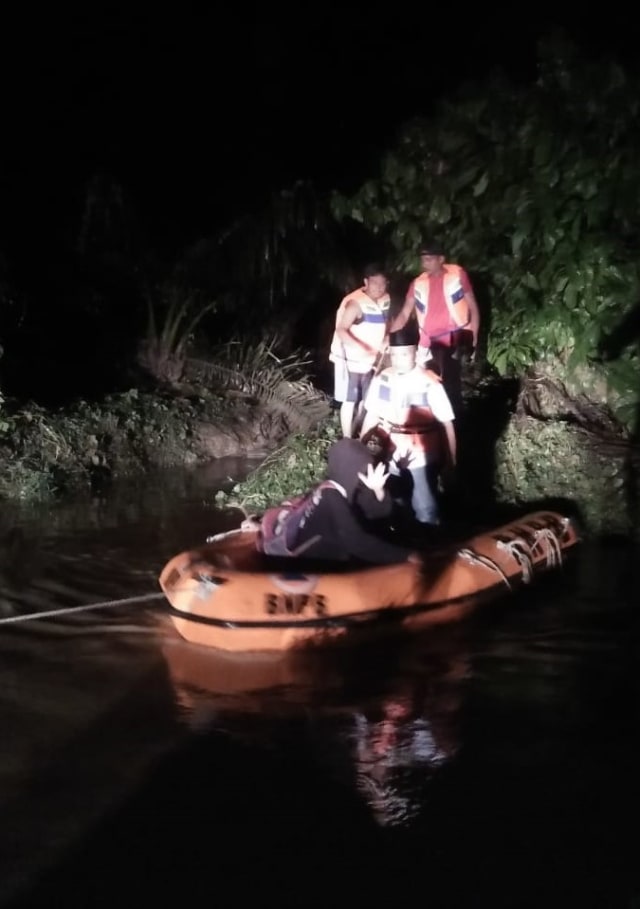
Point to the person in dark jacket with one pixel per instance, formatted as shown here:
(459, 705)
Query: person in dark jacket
(336, 520)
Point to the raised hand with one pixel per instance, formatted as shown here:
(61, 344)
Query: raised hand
(375, 478)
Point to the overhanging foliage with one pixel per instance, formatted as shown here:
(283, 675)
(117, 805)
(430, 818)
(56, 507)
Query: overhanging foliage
(535, 191)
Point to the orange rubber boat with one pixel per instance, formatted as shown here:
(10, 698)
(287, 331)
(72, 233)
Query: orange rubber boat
(227, 595)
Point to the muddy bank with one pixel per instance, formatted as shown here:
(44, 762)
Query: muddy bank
(48, 452)
(523, 444)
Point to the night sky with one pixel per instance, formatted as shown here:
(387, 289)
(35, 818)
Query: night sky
(198, 115)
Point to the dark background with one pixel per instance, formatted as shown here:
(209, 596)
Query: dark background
(200, 114)
(169, 127)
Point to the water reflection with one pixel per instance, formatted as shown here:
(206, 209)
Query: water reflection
(91, 544)
(73, 687)
(491, 764)
(400, 743)
(383, 717)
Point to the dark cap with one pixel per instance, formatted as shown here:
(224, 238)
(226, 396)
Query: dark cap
(405, 337)
(431, 248)
(372, 270)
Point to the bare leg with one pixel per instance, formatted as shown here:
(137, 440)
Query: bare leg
(346, 418)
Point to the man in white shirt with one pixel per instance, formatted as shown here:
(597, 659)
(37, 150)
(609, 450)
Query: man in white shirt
(410, 405)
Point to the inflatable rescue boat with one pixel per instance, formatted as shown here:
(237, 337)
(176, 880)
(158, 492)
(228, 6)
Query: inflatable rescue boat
(228, 595)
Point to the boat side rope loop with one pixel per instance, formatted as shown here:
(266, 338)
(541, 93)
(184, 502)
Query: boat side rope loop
(521, 552)
(554, 550)
(524, 554)
(476, 559)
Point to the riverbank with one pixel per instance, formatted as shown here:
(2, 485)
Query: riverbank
(516, 450)
(44, 453)
(513, 456)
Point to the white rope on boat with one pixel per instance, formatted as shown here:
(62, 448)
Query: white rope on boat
(476, 559)
(225, 534)
(554, 550)
(521, 552)
(524, 554)
(105, 604)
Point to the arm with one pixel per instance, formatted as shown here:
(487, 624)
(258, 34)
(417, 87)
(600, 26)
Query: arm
(440, 406)
(452, 450)
(432, 376)
(407, 308)
(449, 433)
(474, 311)
(349, 315)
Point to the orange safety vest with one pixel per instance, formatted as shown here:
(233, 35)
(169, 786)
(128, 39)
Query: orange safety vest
(410, 431)
(454, 296)
(370, 330)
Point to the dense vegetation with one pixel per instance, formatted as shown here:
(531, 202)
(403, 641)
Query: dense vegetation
(534, 189)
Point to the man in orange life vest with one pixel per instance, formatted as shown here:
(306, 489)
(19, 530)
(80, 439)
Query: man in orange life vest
(410, 405)
(359, 342)
(446, 310)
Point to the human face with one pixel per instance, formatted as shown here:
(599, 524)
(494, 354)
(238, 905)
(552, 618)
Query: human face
(431, 264)
(376, 286)
(403, 359)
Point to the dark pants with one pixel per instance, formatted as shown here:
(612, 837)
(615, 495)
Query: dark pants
(449, 363)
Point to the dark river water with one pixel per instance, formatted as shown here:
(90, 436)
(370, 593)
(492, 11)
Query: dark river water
(494, 764)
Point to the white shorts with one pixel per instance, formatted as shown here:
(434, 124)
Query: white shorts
(340, 380)
(351, 387)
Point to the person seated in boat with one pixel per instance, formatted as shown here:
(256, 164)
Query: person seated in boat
(409, 403)
(334, 520)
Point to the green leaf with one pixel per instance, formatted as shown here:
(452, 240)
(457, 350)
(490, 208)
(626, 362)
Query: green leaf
(500, 363)
(440, 210)
(517, 239)
(570, 296)
(481, 185)
(465, 178)
(530, 281)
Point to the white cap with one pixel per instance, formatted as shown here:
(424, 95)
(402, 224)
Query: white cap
(403, 348)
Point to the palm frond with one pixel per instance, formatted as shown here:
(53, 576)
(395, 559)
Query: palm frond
(280, 383)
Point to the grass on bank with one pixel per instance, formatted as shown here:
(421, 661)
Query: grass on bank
(289, 471)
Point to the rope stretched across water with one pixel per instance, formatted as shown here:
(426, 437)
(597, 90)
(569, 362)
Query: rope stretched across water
(65, 610)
